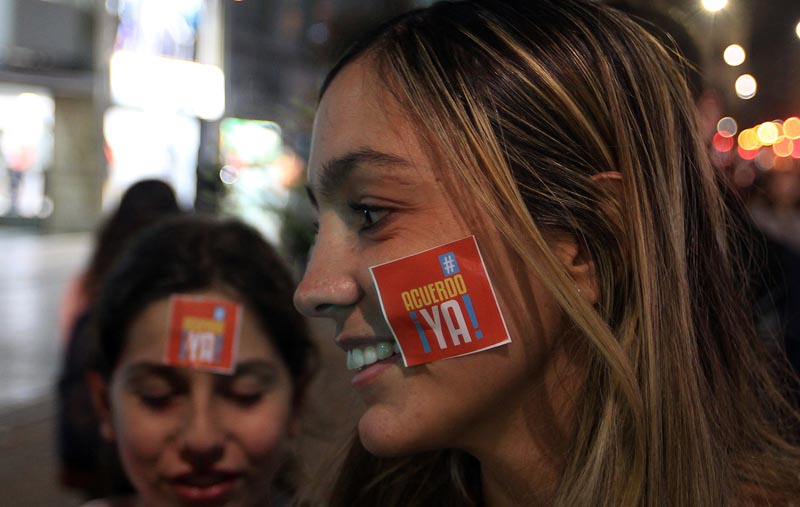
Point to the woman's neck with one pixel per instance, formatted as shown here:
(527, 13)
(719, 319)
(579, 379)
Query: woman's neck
(523, 467)
(523, 452)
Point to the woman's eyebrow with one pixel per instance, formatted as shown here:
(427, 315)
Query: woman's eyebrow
(140, 370)
(334, 172)
(257, 367)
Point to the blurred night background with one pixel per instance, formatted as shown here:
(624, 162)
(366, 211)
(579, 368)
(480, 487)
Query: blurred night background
(216, 97)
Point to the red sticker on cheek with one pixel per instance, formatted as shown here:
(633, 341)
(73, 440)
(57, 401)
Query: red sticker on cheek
(440, 303)
(203, 333)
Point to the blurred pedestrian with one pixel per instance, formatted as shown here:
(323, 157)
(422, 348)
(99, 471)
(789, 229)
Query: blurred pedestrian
(85, 464)
(143, 204)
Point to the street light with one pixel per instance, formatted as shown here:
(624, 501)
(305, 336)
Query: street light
(746, 87)
(714, 5)
(734, 55)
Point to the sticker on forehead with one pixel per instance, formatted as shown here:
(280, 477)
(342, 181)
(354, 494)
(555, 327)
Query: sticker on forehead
(203, 333)
(440, 303)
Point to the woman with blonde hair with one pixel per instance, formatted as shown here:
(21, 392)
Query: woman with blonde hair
(562, 136)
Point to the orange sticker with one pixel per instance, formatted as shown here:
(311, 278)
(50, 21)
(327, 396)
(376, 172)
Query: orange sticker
(440, 303)
(203, 333)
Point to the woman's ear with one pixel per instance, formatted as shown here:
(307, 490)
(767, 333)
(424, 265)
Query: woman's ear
(573, 253)
(580, 266)
(101, 401)
(608, 176)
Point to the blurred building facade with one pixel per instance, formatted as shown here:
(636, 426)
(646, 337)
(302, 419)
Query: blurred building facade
(97, 94)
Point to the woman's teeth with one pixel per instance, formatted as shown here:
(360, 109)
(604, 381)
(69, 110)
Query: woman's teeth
(364, 356)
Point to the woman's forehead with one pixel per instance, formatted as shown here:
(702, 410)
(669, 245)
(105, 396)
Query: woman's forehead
(358, 114)
(354, 106)
(148, 335)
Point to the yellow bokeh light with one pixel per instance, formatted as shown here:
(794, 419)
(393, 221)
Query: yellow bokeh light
(768, 133)
(797, 29)
(783, 147)
(791, 128)
(748, 140)
(734, 55)
(714, 5)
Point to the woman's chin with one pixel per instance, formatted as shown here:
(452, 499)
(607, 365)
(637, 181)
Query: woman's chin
(388, 436)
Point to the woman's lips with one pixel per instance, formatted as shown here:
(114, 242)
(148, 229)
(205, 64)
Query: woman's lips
(373, 371)
(205, 489)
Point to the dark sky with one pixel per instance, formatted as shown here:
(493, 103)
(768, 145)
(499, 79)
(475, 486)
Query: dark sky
(774, 59)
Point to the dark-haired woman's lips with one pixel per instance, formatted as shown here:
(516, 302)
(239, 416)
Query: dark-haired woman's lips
(205, 489)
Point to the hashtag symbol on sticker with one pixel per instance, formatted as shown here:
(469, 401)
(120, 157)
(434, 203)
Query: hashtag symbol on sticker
(448, 263)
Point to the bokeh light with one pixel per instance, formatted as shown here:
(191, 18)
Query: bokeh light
(744, 175)
(797, 29)
(746, 86)
(714, 5)
(768, 133)
(721, 143)
(722, 159)
(783, 147)
(318, 33)
(747, 154)
(796, 150)
(727, 127)
(228, 174)
(734, 55)
(791, 128)
(748, 140)
(765, 160)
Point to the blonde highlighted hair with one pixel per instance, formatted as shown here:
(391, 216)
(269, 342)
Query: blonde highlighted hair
(524, 104)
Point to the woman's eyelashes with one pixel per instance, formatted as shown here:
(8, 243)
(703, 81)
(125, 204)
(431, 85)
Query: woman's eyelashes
(156, 402)
(248, 389)
(159, 394)
(157, 397)
(368, 217)
(245, 397)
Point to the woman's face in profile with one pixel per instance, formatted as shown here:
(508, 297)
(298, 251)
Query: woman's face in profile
(378, 199)
(188, 437)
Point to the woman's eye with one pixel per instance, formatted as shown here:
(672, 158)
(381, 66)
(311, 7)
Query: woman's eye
(368, 216)
(156, 401)
(244, 392)
(245, 398)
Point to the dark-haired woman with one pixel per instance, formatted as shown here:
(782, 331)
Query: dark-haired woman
(202, 364)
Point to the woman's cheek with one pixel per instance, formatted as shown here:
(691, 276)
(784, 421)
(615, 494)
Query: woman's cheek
(143, 439)
(263, 431)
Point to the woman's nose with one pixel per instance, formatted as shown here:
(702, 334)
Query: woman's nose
(329, 283)
(203, 435)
